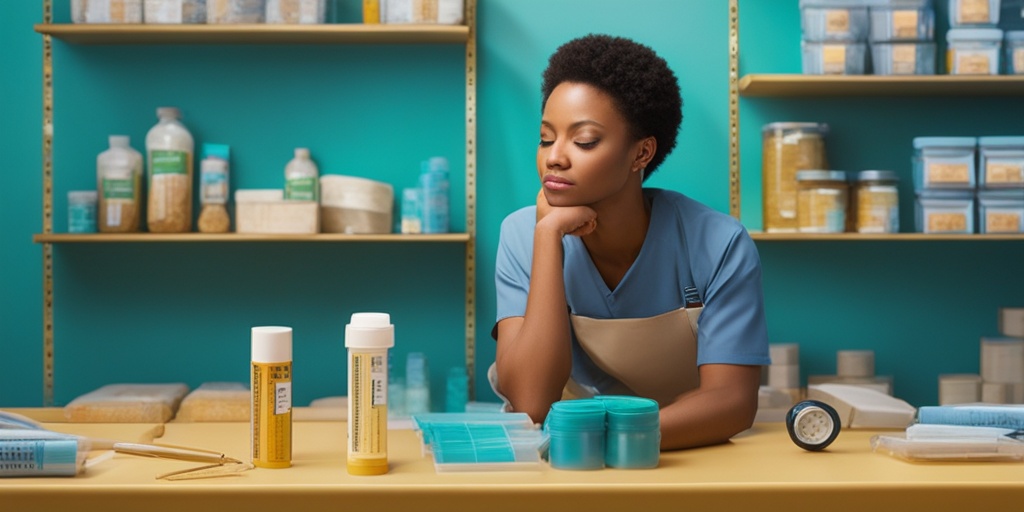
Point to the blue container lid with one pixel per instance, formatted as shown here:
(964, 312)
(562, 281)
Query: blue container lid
(820, 175)
(1010, 195)
(900, 4)
(1014, 35)
(944, 142)
(576, 415)
(974, 34)
(1001, 142)
(835, 4)
(628, 404)
(946, 195)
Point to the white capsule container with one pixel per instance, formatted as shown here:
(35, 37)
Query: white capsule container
(1013, 42)
(1001, 162)
(903, 58)
(973, 51)
(973, 13)
(944, 163)
(834, 58)
(1001, 211)
(949, 212)
(834, 20)
(902, 20)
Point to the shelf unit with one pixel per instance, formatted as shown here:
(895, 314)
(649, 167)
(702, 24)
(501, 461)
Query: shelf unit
(882, 237)
(117, 34)
(791, 85)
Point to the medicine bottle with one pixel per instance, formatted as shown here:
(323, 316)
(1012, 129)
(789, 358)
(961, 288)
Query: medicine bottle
(82, 211)
(786, 149)
(434, 183)
(821, 201)
(169, 153)
(213, 195)
(301, 178)
(368, 336)
(119, 187)
(271, 418)
(876, 199)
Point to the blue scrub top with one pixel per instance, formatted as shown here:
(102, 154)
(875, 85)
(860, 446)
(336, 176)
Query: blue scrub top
(687, 244)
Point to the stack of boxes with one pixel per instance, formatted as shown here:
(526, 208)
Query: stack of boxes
(855, 368)
(1001, 380)
(974, 40)
(834, 36)
(902, 37)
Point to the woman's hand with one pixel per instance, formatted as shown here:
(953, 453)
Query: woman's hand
(566, 220)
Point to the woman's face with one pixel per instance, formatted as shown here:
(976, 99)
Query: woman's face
(586, 154)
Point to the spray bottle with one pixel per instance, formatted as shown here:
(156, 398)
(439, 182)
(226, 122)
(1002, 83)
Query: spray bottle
(368, 336)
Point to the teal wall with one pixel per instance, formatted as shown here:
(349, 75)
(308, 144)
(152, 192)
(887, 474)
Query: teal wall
(181, 312)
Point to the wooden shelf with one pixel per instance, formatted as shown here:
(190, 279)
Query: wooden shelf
(256, 34)
(60, 238)
(784, 85)
(882, 237)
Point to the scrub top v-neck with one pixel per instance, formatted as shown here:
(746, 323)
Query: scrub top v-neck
(687, 246)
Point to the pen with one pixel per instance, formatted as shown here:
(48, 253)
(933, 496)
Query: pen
(170, 452)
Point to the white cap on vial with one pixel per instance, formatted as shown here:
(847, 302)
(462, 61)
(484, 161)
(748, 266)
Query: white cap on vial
(370, 330)
(271, 344)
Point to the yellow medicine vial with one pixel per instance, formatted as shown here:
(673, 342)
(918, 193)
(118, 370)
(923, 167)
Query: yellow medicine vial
(368, 336)
(271, 419)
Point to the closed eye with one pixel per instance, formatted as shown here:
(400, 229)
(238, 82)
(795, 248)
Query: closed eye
(546, 143)
(588, 145)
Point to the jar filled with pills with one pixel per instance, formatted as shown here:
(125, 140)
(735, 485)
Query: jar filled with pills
(821, 201)
(876, 199)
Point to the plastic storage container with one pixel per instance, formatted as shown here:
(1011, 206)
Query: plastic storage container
(973, 51)
(834, 58)
(82, 211)
(353, 205)
(1001, 162)
(786, 149)
(434, 183)
(106, 11)
(301, 178)
(1013, 41)
(236, 11)
(875, 198)
(973, 12)
(944, 163)
(633, 436)
(119, 187)
(174, 11)
(902, 20)
(169, 153)
(903, 58)
(822, 198)
(1001, 211)
(577, 434)
(945, 212)
(296, 11)
(834, 20)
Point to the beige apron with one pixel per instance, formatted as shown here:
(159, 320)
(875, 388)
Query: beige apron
(654, 357)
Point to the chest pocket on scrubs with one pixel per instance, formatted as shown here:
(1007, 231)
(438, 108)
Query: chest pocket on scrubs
(654, 357)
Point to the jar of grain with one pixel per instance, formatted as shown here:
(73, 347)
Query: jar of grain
(821, 201)
(788, 148)
(876, 197)
(169, 150)
(119, 187)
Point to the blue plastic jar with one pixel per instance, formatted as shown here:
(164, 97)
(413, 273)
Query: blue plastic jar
(576, 429)
(633, 438)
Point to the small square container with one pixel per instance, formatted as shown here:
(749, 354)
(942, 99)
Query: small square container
(1013, 42)
(976, 13)
(834, 58)
(834, 20)
(903, 58)
(945, 212)
(944, 163)
(1001, 162)
(1001, 211)
(973, 51)
(902, 20)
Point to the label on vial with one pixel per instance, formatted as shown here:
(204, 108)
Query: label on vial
(118, 189)
(948, 173)
(947, 223)
(973, 64)
(300, 189)
(368, 398)
(998, 172)
(1002, 222)
(904, 59)
(972, 11)
(272, 414)
(837, 21)
(168, 162)
(833, 59)
(904, 24)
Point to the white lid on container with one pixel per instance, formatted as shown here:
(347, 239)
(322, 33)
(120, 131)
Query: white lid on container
(370, 330)
(944, 142)
(821, 128)
(873, 175)
(833, 4)
(302, 153)
(173, 112)
(1014, 35)
(271, 344)
(1001, 141)
(900, 4)
(119, 141)
(994, 35)
(820, 175)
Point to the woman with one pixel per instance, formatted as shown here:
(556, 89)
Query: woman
(606, 287)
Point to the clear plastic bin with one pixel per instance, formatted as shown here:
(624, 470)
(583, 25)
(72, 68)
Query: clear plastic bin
(1001, 211)
(834, 20)
(973, 13)
(834, 58)
(973, 51)
(1013, 41)
(902, 20)
(903, 58)
(944, 163)
(1001, 162)
(945, 212)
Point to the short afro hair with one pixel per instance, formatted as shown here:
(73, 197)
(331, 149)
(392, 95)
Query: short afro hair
(640, 82)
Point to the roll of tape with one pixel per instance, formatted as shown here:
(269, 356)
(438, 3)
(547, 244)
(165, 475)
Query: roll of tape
(813, 425)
